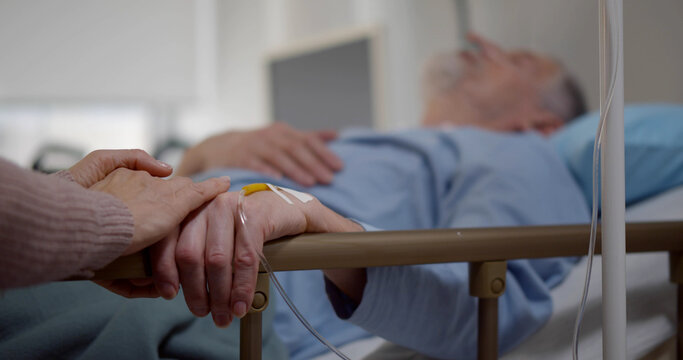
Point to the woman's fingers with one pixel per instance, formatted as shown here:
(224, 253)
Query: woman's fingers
(129, 289)
(138, 160)
(219, 253)
(98, 164)
(189, 196)
(157, 206)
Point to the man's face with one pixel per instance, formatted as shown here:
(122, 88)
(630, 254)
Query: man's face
(492, 74)
(503, 87)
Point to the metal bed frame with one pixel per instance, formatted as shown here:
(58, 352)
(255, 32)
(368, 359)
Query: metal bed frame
(485, 249)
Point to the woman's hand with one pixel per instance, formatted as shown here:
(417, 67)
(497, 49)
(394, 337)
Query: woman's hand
(158, 206)
(276, 150)
(100, 163)
(214, 251)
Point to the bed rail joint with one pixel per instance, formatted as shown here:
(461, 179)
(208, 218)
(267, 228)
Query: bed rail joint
(261, 294)
(487, 279)
(251, 323)
(487, 283)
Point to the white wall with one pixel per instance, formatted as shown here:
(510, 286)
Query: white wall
(95, 73)
(251, 29)
(160, 53)
(97, 50)
(24, 129)
(414, 29)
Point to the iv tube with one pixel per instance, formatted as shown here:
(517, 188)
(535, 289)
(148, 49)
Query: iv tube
(611, 38)
(273, 278)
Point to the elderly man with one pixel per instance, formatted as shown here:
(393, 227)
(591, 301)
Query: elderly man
(446, 175)
(499, 90)
(493, 89)
(428, 178)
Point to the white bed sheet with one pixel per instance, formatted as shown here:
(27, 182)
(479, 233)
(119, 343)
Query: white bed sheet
(651, 300)
(651, 312)
(651, 307)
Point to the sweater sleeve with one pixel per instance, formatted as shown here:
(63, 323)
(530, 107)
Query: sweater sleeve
(51, 228)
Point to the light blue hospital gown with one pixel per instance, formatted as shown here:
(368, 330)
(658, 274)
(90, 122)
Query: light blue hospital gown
(423, 179)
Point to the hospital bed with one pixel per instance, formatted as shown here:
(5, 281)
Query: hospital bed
(651, 305)
(651, 170)
(486, 249)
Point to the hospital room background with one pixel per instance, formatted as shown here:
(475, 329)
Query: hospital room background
(77, 75)
(161, 75)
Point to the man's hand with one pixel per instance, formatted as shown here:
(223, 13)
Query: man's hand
(98, 164)
(276, 150)
(218, 258)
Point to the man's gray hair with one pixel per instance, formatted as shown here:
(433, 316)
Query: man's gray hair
(563, 96)
(441, 73)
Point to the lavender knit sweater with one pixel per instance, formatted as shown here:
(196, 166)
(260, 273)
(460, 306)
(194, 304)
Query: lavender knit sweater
(51, 228)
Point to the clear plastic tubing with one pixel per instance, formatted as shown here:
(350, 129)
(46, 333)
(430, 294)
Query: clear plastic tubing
(611, 128)
(276, 283)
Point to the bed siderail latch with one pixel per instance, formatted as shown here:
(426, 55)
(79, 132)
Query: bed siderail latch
(487, 283)
(250, 324)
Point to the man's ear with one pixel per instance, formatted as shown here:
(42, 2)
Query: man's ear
(546, 122)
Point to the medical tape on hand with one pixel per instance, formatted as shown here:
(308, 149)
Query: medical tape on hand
(252, 188)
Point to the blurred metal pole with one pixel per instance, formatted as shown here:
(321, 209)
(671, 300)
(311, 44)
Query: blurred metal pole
(613, 189)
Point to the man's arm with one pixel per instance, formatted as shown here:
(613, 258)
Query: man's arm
(350, 281)
(514, 181)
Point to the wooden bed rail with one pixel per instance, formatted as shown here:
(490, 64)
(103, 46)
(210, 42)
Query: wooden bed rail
(486, 249)
(386, 248)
